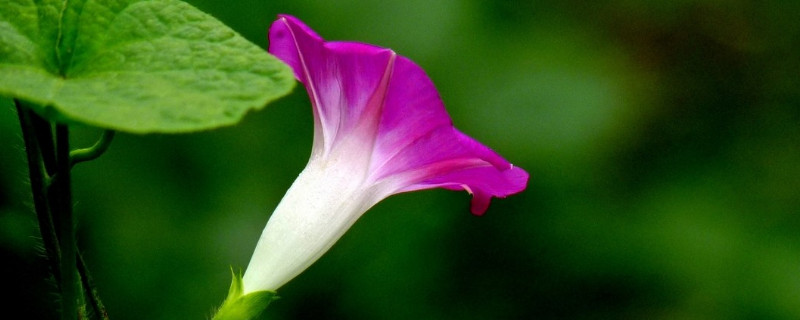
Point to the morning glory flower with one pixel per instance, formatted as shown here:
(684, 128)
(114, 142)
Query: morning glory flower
(380, 128)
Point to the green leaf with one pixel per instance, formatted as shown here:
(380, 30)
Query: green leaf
(243, 307)
(134, 66)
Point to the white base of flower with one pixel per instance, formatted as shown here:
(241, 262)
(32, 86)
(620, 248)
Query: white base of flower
(325, 200)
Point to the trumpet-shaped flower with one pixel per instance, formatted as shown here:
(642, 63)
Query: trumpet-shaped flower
(380, 128)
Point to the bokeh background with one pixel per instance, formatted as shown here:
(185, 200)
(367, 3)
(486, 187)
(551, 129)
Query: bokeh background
(662, 138)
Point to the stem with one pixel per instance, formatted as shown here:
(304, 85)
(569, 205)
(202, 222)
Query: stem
(38, 177)
(91, 290)
(49, 165)
(43, 130)
(65, 228)
(91, 153)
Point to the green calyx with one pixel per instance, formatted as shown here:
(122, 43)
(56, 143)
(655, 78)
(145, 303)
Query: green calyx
(240, 306)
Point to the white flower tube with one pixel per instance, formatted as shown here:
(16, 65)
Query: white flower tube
(328, 196)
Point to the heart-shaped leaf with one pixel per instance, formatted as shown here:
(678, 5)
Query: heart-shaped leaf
(135, 66)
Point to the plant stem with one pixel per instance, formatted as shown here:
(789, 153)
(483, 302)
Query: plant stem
(91, 153)
(91, 291)
(65, 229)
(39, 179)
(43, 131)
(49, 165)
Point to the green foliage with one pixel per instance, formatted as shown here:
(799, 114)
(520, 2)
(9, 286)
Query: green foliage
(135, 66)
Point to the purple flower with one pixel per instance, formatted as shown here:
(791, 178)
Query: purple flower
(380, 128)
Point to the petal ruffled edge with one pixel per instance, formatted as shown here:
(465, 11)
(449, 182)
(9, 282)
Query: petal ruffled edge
(475, 169)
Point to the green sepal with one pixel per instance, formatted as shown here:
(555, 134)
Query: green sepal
(240, 306)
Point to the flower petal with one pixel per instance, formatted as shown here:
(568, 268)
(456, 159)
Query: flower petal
(386, 111)
(418, 148)
(412, 110)
(450, 159)
(345, 80)
(483, 182)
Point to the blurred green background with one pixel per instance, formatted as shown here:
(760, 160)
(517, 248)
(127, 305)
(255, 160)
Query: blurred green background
(662, 138)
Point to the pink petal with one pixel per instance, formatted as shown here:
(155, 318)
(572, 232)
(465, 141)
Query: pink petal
(343, 79)
(392, 107)
(450, 159)
(412, 110)
(418, 144)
